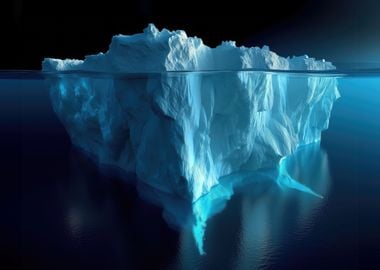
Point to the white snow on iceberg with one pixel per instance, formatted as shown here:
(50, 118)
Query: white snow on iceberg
(180, 132)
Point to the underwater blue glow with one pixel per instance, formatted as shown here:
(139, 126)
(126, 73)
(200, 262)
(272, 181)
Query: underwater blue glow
(284, 180)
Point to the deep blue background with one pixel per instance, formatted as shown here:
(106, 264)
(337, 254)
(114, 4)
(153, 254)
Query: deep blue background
(338, 30)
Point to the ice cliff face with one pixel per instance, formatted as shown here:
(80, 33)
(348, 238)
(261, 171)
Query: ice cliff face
(180, 132)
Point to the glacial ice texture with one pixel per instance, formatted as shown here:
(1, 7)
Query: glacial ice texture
(180, 132)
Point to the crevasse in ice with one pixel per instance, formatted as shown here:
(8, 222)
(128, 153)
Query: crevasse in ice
(180, 132)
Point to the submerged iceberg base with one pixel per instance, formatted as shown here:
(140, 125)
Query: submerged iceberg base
(181, 132)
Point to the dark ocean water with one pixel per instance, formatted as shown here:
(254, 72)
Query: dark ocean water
(65, 213)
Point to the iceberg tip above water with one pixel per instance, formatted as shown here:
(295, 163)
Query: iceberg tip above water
(154, 51)
(182, 132)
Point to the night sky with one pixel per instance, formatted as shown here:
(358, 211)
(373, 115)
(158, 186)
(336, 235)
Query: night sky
(340, 31)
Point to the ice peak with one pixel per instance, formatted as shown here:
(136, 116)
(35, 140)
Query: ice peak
(151, 30)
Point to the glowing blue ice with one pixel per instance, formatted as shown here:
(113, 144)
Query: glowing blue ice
(181, 132)
(308, 164)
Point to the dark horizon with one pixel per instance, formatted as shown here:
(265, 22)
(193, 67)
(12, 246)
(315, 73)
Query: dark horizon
(339, 31)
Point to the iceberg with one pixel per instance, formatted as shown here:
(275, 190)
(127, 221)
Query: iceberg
(182, 115)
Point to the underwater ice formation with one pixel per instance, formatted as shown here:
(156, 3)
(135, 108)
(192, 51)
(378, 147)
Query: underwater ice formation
(180, 132)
